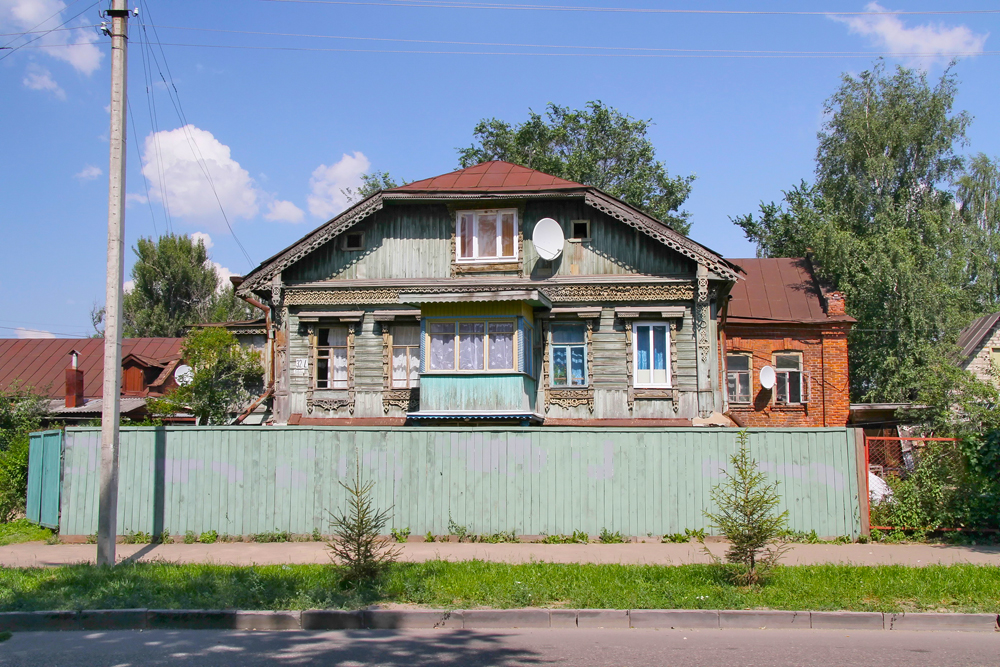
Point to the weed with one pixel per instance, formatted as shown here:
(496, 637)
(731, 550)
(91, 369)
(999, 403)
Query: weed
(316, 535)
(675, 538)
(226, 537)
(208, 537)
(92, 538)
(400, 534)
(696, 534)
(271, 537)
(607, 537)
(190, 537)
(578, 537)
(428, 537)
(496, 538)
(165, 537)
(137, 537)
(461, 532)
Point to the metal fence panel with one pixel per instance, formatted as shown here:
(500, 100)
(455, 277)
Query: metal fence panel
(532, 481)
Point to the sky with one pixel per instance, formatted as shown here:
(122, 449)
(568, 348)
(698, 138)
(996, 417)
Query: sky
(284, 104)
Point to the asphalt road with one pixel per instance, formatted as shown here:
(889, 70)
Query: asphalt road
(598, 648)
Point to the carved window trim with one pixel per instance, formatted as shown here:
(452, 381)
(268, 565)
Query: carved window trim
(567, 397)
(325, 402)
(670, 393)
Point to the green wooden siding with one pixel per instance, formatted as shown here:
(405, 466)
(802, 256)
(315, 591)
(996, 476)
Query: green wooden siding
(477, 392)
(529, 480)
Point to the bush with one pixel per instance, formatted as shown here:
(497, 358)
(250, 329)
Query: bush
(13, 478)
(208, 537)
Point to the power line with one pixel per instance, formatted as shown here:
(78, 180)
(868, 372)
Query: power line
(439, 4)
(43, 32)
(54, 333)
(18, 48)
(135, 135)
(39, 25)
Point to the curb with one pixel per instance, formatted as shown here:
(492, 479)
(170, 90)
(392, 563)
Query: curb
(390, 619)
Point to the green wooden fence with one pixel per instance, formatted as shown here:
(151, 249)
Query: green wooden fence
(245, 480)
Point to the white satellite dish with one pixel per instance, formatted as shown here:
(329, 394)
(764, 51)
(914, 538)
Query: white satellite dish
(767, 377)
(183, 375)
(548, 238)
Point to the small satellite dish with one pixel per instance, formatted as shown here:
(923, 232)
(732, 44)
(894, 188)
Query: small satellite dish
(767, 377)
(548, 238)
(183, 375)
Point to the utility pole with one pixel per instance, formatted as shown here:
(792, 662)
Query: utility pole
(107, 522)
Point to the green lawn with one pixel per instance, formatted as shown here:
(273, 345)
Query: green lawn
(964, 588)
(22, 530)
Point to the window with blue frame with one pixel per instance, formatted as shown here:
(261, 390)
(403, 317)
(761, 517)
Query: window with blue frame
(651, 354)
(569, 355)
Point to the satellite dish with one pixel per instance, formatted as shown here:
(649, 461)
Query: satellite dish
(767, 377)
(183, 375)
(548, 238)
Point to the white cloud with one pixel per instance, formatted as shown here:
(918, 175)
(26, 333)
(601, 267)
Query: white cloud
(37, 77)
(327, 183)
(38, 15)
(21, 332)
(223, 274)
(889, 32)
(283, 211)
(128, 286)
(88, 173)
(182, 154)
(204, 238)
(134, 198)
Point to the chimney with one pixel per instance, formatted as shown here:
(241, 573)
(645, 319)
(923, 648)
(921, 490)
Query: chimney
(74, 382)
(835, 304)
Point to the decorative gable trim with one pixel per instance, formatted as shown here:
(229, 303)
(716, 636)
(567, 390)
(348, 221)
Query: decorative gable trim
(262, 275)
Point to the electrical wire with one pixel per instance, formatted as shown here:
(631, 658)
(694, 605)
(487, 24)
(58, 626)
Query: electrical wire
(42, 331)
(39, 25)
(147, 72)
(439, 4)
(15, 49)
(42, 32)
(135, 135)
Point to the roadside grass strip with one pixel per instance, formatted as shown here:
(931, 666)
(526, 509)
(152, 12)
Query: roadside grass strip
(22, 530)
(479, 584)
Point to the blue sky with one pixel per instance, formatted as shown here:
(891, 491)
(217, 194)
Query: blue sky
(284, 126)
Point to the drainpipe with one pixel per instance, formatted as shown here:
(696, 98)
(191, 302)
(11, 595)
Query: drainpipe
(237, 281)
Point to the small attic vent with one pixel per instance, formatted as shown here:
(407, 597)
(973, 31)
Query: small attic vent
(353, 241)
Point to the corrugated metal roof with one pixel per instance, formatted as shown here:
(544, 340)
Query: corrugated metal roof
(781, 289)
(975, 333)
(493, 176)
(41, 362)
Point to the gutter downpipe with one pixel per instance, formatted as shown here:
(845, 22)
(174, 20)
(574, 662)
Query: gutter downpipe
(237, 281)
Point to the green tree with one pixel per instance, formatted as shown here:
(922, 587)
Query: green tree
(176, 286)
(881, 221)
(370, 184)
(225, 377)
(21, 412)
(597, 146)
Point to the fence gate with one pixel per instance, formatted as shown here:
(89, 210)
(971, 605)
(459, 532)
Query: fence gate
(44, 472)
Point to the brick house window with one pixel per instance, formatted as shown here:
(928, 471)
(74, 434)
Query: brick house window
(331, 358)
(569, 355)
(738, 372)
(486, 235)
(651, 357)
(405, 356)
(790, 387)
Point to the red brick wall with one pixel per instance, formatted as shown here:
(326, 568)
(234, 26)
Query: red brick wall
(824, 358)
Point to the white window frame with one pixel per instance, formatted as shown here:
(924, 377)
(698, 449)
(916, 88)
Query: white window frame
(635, 354)
(476, 258)
(485, 370)
(748, 372)
(803, 378)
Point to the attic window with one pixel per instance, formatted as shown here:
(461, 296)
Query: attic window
(581, 229)
(354, 241)
(486, 235)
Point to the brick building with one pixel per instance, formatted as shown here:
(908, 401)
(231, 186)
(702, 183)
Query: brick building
(782, 317)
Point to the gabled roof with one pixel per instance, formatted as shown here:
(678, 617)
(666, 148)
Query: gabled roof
(781, 289)
(975, 334)
(41, 363)
(495, 176)
(478, 182)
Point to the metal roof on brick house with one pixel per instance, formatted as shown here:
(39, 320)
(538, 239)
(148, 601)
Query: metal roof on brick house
(782, 289)
(975, 334)
(41, 363)
(495, 176)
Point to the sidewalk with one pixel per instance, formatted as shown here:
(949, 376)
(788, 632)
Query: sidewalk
(38, 554)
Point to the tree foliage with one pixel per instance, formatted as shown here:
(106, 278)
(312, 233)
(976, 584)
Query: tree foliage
(597, 146)
(885, 228)
(225, 378)
(747, 514)
(359, 544)
(21, 412)
(370, 184)
(176, 286)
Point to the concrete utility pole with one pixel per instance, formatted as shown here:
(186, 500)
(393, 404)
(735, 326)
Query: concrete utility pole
(107, 522)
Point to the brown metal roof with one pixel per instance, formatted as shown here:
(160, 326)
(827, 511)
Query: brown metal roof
(972, 336)
(781, 289)
(41, 363)
(493, 176)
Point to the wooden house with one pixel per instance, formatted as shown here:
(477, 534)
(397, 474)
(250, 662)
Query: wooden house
(428, 303)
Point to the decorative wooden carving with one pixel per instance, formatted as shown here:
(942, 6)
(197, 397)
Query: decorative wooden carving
(404, 399)
(386, 358)
(628, 363)
(329, 404)
(701, 321)
(617, 293)
(459, 268)
(568, 397)
(673, 364)
(351, 327)
(341, 297)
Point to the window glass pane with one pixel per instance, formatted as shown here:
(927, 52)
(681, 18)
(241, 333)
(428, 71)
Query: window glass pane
(465, 234)
(579, 374)
(782, 387)
(470, 346)
(501, 345)
(414, 366)
(399, 370)
(642, 347)
(322, 373)
(795, 387)
(731, 386)
(744, 387)
(559, 366)
(442, 356)
(738, 362)
(507, 233)
(787, 361)
(486, 235)
(340, 367)
(659, 348)
(405, 335)
(323, 338)
(338, 336)
(567, 333)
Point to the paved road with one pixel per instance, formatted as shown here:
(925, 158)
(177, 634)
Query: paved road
(599, 648)
(35, 554)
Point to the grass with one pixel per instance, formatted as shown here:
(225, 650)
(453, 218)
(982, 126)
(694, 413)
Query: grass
(467, 584)
(22, 530)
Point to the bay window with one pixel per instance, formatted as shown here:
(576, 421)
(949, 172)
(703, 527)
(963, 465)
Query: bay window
(331, 358)
(486, 235)
(405, 356)
(651, 354)
(471, 345)
(569, 355)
